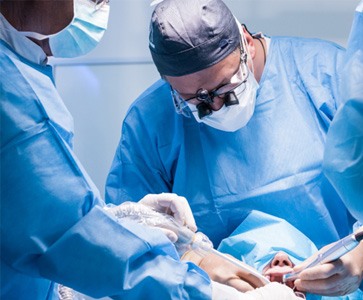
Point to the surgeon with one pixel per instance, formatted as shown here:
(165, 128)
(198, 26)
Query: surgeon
(237, 122)
(343, 156)
(343, 159)
(54, 227)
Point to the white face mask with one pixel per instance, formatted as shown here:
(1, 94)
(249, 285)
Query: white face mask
(234, 117)
(82, 34)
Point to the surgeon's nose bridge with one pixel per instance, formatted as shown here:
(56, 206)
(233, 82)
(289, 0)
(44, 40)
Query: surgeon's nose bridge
(281, 260)
(217, 103)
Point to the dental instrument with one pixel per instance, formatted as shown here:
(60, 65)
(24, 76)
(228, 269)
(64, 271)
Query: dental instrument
(332, 253)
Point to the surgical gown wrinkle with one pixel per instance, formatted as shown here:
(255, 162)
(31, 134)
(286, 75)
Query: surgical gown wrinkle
(53, 225)
(273, 164)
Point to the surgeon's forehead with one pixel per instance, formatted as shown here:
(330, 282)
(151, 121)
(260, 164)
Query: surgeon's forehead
(209, 78)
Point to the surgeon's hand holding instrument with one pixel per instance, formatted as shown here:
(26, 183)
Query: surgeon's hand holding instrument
(331, 253)
(187, 239)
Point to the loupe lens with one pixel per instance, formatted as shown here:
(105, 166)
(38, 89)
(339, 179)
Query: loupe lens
(203, 110)
(230, 99)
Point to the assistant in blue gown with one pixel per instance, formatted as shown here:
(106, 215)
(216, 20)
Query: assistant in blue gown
(53, 225)
(343, 157)
(273, 164)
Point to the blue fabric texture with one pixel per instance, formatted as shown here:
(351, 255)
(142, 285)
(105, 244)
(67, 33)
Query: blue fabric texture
(53, 226)
(273, 164)
(343, 157)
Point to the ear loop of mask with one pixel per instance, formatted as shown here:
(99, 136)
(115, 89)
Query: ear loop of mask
(248, 59)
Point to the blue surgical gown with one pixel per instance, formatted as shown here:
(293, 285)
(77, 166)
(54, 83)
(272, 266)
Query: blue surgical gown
(272, 165)
(53, 226)
(343, 157)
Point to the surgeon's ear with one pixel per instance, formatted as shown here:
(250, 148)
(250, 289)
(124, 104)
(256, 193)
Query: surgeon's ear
(250, 42)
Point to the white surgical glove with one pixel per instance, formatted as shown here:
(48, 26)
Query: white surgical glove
(173, 205)
(272, 291)
(151, 211)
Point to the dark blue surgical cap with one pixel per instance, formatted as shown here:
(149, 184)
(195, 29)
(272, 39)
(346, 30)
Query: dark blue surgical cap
(187, 36)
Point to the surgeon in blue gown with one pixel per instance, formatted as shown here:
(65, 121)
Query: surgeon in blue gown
(343, 157)
(54, 227)
(263, 153)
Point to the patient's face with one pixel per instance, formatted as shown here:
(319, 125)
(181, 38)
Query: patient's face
(278, 266)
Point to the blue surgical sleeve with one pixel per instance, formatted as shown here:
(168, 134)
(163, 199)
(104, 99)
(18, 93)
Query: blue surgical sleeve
(140, 157)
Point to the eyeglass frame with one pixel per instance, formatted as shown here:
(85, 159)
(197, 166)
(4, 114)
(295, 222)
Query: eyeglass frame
(181, 104)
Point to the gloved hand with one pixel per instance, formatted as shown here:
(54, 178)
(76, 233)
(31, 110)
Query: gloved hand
(147, 210)
(272, 291)
(337, 278)
(174, 205)
(223, 271)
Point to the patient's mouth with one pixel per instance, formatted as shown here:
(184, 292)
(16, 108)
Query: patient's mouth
(275, 273)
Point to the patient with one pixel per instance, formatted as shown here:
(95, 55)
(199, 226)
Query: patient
(270, 245)
(277, 267)
(273, 247)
